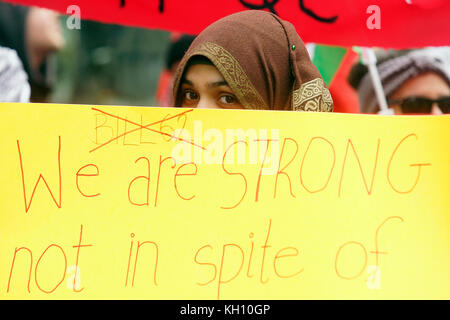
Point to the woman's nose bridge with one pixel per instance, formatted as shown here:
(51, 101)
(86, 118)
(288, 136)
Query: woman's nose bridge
(206, 102)
(435, 109)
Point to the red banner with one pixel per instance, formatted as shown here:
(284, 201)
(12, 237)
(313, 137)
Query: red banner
(381, 23)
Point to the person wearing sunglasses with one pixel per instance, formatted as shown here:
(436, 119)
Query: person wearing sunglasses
(421, 105)
(414, 81)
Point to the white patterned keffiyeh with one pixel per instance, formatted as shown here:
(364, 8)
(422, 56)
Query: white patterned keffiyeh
(14, 86)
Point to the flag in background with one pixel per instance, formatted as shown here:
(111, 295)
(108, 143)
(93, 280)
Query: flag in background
(334, 64)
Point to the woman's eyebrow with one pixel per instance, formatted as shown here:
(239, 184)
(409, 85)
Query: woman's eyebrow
(218, 84)
(210, 84)
(186, 81)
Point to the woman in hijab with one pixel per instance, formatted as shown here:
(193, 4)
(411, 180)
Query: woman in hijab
(250, 60)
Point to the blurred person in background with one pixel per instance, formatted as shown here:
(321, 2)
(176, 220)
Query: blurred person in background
(414, 81)
(179, 43)
(34, 33)
(110, 64)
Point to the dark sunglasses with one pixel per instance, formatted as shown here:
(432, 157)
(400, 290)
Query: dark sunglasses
(422, 105)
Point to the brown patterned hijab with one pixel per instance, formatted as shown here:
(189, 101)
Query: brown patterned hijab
(264, 62)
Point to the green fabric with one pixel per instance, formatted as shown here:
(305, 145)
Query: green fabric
(327, 60)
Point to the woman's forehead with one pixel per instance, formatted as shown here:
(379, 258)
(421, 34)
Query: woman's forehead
(203, 74)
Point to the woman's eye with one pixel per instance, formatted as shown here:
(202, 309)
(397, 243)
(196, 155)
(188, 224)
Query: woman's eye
(190, 95)
(228, 99)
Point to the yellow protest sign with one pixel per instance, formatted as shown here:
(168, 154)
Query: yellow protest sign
(111, 202)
